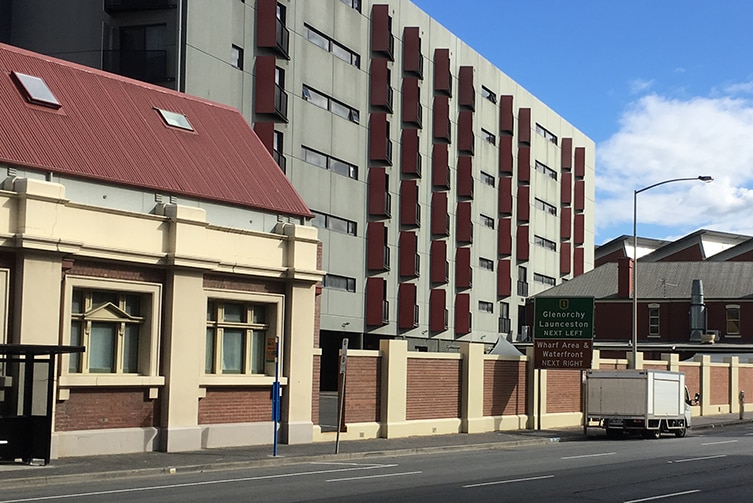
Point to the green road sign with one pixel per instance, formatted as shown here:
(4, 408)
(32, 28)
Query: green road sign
(563, 318)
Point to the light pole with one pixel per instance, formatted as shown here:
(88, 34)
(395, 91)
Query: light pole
(702, 178)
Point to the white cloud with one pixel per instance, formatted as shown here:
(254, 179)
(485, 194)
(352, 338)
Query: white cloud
(662, 138)
(638, 86)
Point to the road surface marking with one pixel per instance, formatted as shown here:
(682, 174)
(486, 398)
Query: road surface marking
(508, 481)
(720, 442)
(195, 484)
(401, 474)
(590, 455)
(672, 495)
(694, 459)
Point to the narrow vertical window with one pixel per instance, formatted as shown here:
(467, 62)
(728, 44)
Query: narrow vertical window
(653, 320)
(733, 320)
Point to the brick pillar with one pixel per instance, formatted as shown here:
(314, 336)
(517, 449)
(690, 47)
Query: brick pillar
(473, 388)
(394, 387)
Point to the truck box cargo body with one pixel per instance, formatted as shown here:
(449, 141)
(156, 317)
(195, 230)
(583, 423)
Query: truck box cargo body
(648, 401)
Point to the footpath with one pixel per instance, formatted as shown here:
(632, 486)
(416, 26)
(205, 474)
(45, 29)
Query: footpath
(76, 469)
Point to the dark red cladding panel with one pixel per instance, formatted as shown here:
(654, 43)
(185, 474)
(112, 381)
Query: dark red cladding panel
(466, 91)
(580, 229)
(565, 259)
(264, 89)
(524, 203)
(524, 164)
(440, 170)
(382, 40)
(375, 301)
(410, 163)
(506, 115)
(463, 270)
(578, 261)
(409, 209)
(524, 125)
(580, 162)
(440, 220)
(504, 279)
(266, 133)
(412, 58)
(505, 196)
(378, 149)
(504, 236)
(566, 154)
(408, 250)
(412, 114)
(580, 195)
(378, 192)
(406, 316)
(375, 246)
(462, 313)
(523, 247)
(505, 155)
(465, 177)
(437, 310)
(379, 93)
(466, 138)
(566, 189)
(266, 23)
(438, 252)
(464, 227)
(441, 118)
(442, 76)
(566, 223)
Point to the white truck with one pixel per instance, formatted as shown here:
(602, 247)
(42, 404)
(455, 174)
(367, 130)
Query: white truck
(651, 402)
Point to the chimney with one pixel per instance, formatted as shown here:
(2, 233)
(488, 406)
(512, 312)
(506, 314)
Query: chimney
(697, 312)
(624, 278)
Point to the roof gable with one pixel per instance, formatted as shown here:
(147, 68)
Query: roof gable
(108, 128)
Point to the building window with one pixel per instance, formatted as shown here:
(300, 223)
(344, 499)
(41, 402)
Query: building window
(544, 280)
(487, 179)
(117, 322)
(142, 55)
(544, 206)
(487, 307)
(522, 281)
(546, 134)
(236, 337)
(543, 168)
(653, 320)
(324, 221)
(325, 161)
(487, 221)
(485, 263)
(340, 282)
(327, 103)
(733, 320)
(489, 95)
(236, 57)
(329, 45)
(545, 243)
(489, 137)
(354, 4)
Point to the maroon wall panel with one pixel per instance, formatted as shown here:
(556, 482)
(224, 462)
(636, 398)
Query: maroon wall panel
(381, 37)
(523, 247)
(580, 162)
(566, 154)
(465, 177)
(504, 280)
(564, 259)
(506, 115)
(466, 91)
(440, 170)
(466, 138)
(524, 203)
(504, 236)
(375, 294)
(463, 271)
(505, 196)
(505, 155)
(524, 164)
(409, 209)
(378, 192)
(438, 252)
(565, 223)
(412, 59)
(406, 295)
(580, 195)
(378, 141)
(578, 261)
(266, 133)
(412, 113)
(437, 310)
(410, 161)
(441, 118)
(464, 225)
(442, 76)
(462, 313)
(375, 246)
(264, 85)
(440, 220)
(408, 249)
(379, 92)
(580, 229)
(524, 125)
(566, 188)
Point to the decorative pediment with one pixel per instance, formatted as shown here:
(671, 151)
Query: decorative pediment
(108, 312)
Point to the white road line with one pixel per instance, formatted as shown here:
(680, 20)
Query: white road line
(691, 459)
(196, 484)
(401, 474)
(590, 455)
(508, 481)
(720, 442)
(663, 496)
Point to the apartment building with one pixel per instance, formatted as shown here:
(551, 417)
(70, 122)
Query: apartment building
(445, 193)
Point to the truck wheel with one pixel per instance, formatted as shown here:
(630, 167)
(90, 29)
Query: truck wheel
(682, 431)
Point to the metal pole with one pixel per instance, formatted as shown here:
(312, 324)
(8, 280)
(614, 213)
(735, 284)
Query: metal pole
(276, 397)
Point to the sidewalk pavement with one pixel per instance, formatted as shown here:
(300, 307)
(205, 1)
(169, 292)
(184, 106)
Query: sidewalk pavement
(67, 470)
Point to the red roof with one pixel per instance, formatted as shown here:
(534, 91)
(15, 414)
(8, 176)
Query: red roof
(108, 129)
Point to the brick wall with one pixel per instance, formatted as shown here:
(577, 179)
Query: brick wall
(746, 383)
(363, 398)
(97, 409)
(564, 391)
(504, 388)
(692, 379)
(236, 405)
(315, 389)
(719, 386)
(433, 389)
(217, 281)
(116, 271)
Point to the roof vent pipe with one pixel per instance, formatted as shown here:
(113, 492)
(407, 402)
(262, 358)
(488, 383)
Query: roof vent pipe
(697, 311)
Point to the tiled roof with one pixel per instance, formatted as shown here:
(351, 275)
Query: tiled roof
(108, 129)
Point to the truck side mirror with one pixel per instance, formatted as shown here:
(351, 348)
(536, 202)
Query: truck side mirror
(697, 398)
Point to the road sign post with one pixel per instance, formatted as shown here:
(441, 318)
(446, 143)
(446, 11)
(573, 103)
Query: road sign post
(563, 331)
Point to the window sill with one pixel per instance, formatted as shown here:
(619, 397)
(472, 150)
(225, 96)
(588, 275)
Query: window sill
(72, 381)
(239, 380)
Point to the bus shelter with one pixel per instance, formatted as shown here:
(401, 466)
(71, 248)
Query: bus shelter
(27, 387)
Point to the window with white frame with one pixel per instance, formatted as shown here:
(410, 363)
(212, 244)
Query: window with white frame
(543, 168)
(327, 103)
(118, 324)
(236, 336)
(340, 282)
(544, 206)
(484, 306)
(487, 179)
(545, 243)
(542, 131)
(488, 94)
(320, 39)
(487, 221)
(236, 56)
(337, 224)
(485, 263)
(733, 319)
(543, 279)
(353, 4)
(333, 164)
(653, 320)
(488, 136)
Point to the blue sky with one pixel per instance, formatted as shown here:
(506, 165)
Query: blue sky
(664, 88)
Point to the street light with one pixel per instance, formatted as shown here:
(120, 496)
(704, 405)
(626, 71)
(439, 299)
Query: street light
(703, 178)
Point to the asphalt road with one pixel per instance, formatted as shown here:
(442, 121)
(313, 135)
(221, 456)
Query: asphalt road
(710, 466)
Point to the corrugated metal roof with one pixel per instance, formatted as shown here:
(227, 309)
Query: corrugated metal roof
(664, 280)
(107, 129)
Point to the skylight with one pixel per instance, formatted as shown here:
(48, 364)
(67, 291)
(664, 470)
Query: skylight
(175, 119)
(36, 90)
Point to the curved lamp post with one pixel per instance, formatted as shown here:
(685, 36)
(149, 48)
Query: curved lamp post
(702, 178)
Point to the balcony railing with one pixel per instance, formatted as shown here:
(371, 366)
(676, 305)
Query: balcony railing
(504, 325)
(388, 204)
(418, 265)
(147, 66)
(415, 316)
(129, 5)
(523, 288)
(385, 311)
(281, 103)
(280, 160)
(282, 39)
(386, 258)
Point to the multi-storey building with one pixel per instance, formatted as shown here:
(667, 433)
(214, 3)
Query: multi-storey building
(445, 193)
